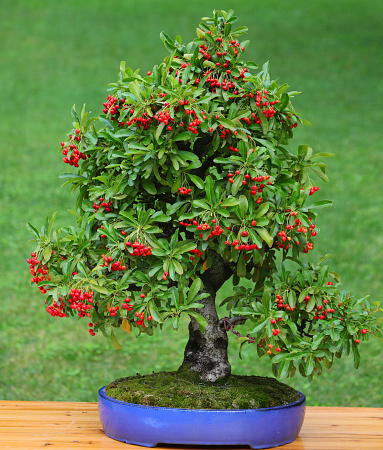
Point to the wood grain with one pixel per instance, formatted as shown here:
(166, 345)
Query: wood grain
(72, 426)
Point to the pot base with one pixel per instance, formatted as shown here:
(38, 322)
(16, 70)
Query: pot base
(149, 426)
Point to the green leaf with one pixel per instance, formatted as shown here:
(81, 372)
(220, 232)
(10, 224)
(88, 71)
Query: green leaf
(200, 319)
(356, 354)
(241, 265)
(323, 155)
(184, 247)
(284, 101)
(133, 87)
(149, 186)
(243, 206)
(160, 127)
(72, 176)
(283, 369)
(178, 267)
(184, 136)
(230, 201)
(320, 260)
(115, 344)
(200, 204)
(264, 122)
(100, 289)
(334, 335)
(47, 254)
(227, 123)
(319, 204)
(194, 289)
(260, 326)
(309, 366)
(262, 210)
(32, 229)
(323, 275)
(292, 298)
(320, 173)
(266, 301)
(197, 181)
(154, 312)
(209, 187)
(265, 235)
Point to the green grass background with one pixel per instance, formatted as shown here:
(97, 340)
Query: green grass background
(54, 54)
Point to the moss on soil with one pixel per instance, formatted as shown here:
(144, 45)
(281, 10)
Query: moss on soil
(175, 390)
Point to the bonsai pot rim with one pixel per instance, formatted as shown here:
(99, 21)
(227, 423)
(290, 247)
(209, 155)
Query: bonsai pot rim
(150, 425)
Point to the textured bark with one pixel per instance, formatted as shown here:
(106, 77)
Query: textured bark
(206, 353)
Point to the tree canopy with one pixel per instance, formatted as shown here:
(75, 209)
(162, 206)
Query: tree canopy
(183, 182)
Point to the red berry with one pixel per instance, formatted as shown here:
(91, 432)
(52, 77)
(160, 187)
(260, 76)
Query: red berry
(364, 331)
(357, 341)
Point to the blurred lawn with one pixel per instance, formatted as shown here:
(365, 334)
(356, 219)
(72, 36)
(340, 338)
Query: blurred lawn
(54, 54)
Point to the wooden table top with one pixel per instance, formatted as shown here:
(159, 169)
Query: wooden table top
(72, 426)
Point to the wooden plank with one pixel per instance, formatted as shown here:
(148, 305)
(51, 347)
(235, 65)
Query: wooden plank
(72, 426)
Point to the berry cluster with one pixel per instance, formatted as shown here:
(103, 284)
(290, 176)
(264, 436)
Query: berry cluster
(126, 305)
(81, 301)
(56, 310)
(90, 329)
(196, 252)
(102, 235)
(164, 117)
(116, 266)
(238, 246)
(206, 51)
(289, 119)
(321, 311)
(184, 191)
(138, 249)
(248, 178)
(141, 122)
(112, 106)
(270, 111)
(214, 83)
(313, 189)
(113, 310)
(276, 331)
(39, 271)
(141, 317)
(107, 260)
(188, 224)
(297, 228)
(71, 153)
(103, 204)
(270, 347)
(279, 300)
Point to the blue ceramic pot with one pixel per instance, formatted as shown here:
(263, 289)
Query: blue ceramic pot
(151, 425)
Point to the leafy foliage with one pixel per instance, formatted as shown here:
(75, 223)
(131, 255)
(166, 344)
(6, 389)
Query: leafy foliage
(186, 166)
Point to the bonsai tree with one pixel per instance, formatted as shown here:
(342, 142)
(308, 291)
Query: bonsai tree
(184, 183)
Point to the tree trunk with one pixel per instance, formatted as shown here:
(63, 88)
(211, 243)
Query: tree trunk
(206, 353)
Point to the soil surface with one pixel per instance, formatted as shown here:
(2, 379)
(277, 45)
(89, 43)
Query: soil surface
(176, 390)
